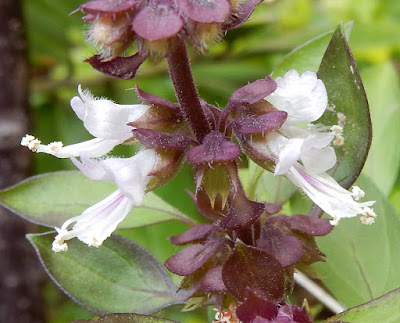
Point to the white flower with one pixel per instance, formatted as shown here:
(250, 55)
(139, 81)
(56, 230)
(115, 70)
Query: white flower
(333, 199)
(303, 153)
(303, 97)
(104, 119)
(97, 222)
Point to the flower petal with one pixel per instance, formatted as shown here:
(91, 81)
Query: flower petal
(324, 191)
(130, 174)
(303, 97)
(92, 148)
(96, 223)
(106, 119)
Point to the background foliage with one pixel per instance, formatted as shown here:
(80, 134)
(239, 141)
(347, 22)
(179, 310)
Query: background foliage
(56, 52)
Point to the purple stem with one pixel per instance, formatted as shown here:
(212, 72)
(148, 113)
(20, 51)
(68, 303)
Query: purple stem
(186, 92)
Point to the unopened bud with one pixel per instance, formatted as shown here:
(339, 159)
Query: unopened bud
(112, 34)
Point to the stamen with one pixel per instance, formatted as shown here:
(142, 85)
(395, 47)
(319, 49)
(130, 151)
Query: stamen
(59, 244)
(339, 141)
(337, 130)
(26, 140)
(357, 193)
(368, 216)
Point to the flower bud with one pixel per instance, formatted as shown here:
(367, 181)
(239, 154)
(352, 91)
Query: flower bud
(111, 33)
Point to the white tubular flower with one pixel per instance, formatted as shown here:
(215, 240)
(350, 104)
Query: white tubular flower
(97, 222)
(333, 199)
(104, 119)
(303, 153)
(303, 96)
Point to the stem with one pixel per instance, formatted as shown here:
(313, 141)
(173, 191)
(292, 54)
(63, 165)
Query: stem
(186, 92)
(318, 292)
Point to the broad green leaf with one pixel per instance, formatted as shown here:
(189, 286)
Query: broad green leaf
(382, 309)
(118, 277)
(308, 56)
(346, 97)
(262, 185)
(363, 262)
(382, 86)
(126, 318)
(52, 198)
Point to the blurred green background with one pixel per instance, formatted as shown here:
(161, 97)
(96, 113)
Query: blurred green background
(57, 48)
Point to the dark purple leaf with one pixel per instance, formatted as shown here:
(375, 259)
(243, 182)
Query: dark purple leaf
(108, 6)
(120, 67)
(311, 251)
(272, 208)
(149, 98)
(155, 140)
(254, 306)
(291, 313)
(259, 319)
(287, 249)
(254, 146)
(251, 268)
(245, 10)
(253, 92)
(270, 121)
(210, 11)
(203, 204)
(215, 148)
(197, 233)
(212, 281)
(242, 212)
(159, 20)
(188, 260)
(125, 318)
(310, 225)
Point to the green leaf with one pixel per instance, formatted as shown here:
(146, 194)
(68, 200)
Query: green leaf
(382, 86)
(346, 95)
(51, 199)
(118, 277)
(382, 309)
(126, 318)
(362, 262)
(262, 185)
(308, 56)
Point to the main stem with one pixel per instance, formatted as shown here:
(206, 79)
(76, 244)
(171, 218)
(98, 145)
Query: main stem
(186, 92)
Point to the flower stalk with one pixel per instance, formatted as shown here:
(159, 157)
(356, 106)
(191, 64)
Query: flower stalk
(186, 92)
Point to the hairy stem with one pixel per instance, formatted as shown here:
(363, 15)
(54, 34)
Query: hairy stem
(186, 92)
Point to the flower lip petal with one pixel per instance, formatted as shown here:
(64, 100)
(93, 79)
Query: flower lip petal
(324, 191)
(96, 223)
(303, 97)
(106, 119)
